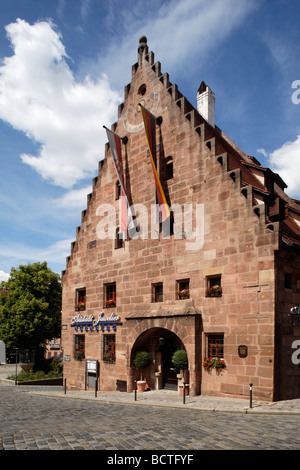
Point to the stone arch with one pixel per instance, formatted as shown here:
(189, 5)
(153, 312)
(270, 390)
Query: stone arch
(143, 332)
(161, 343)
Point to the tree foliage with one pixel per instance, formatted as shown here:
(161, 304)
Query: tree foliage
(30, 306)
(142, 360)
(180, 359)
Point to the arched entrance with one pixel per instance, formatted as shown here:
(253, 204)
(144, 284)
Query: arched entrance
(161, 344)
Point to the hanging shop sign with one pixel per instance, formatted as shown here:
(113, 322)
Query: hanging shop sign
(91, 323)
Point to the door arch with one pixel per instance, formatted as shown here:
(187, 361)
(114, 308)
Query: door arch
(161, 343)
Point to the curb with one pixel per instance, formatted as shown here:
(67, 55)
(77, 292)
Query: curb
(186, 406)
(248, 411)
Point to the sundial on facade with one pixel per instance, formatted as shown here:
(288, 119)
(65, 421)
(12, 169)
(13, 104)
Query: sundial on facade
(133, 119)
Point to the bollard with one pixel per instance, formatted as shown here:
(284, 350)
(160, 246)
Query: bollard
(96, 387)
(251, 394)
(16, 376)
(65, 386)
(184, 393)
(135, 390)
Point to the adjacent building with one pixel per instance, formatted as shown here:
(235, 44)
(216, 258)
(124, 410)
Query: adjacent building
(218, 278)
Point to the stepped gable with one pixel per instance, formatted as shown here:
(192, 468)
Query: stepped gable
(265, 188)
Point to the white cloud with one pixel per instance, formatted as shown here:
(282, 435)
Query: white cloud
(75, 199)
(3, 276)
(181, 33)
(263, 152)
(286, 162)
(85, 9)
(43, 99)
(194, 22)
(54, 253)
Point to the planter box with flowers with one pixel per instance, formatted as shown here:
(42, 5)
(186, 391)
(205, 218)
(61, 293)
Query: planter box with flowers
(215, 291)
(109, 357)
(184, 294)
(80, 306)
(79, 355)
(214, 363)
(110, 303)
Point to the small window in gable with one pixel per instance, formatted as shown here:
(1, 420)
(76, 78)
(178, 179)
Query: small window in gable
(117, 191)
(169, 168)
(119, 242)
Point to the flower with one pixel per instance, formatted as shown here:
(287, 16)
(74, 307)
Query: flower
(110, 303)
(184, 294)
(80, 306)
(109, 356)
(215, 362)
(214, 291)
(219, 364)
(207, 363)
(79, 355)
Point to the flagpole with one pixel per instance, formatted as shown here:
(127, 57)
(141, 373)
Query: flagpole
(150, 130)
(113, 138)
(124, 139)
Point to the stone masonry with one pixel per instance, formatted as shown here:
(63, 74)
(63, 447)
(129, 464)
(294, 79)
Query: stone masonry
(250, 243)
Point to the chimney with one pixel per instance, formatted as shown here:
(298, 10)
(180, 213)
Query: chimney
(206, 103)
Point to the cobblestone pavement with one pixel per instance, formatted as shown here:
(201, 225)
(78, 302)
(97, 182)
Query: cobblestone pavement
(30, 421)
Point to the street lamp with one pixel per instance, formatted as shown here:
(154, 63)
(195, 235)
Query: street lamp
(295, 315)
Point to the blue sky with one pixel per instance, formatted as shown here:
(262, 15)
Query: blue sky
(63, 68)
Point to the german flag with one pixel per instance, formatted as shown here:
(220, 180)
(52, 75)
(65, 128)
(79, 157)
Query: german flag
(150, 130)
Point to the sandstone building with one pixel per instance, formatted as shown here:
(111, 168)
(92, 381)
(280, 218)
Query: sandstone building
(156, 291)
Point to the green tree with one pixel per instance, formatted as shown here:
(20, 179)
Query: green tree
(180, 359)
(30, 306)
(142, 360)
